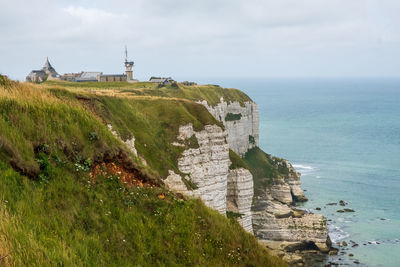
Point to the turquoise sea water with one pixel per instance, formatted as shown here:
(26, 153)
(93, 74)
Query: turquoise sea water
(343, 135)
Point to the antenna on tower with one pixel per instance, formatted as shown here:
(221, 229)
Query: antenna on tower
(126, 54)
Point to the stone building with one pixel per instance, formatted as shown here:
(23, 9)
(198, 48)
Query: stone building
(36, 76)
(46, 73)
(112, 78)
(83, 76)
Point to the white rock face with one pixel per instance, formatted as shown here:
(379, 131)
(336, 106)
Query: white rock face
(130, 143)
(207, 166)
(275, 219)
(293, 180)
(239, 131)
(175, 183)
(240, 194)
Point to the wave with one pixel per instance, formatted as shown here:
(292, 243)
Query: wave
(336, 233)
(304, 168)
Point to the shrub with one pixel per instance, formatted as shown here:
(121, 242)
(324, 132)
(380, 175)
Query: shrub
(233, 117)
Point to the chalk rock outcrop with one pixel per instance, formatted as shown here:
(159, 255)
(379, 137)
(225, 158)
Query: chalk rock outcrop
(240, 195)
(130, 143)
(242, 128)
(175, 183)
(206, 167)
(275, 219)
(293, 180)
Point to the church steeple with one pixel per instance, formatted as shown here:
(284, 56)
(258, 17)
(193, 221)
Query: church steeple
(48, 68)
(47, 65)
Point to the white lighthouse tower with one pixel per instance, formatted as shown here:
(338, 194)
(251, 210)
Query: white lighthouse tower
(128, 66)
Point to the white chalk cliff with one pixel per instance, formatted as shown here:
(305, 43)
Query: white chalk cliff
(243, 133)
(270, 214)
(206, 167)
(240, 196)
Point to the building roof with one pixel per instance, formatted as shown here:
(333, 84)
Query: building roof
(113, 75)
(160, 79)
(89, 79)
(92, 74)
(38, 72)
(48, 68)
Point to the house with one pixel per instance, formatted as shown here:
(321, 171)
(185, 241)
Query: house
(71, 76)
(36, 76)
(163, 81)
(88, 77)
(112, 78)
(83, 76)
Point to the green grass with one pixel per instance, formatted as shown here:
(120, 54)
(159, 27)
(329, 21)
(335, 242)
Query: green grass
(265, 169)
(233, 117)
(154, 122)
(60, 215)
(25, 125)
(236, 161)
(210, 93)
(71, 222)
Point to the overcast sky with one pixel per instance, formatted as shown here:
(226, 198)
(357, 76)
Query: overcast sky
(208, 38)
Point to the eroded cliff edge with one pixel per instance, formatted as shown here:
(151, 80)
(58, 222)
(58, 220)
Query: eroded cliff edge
(263, 190)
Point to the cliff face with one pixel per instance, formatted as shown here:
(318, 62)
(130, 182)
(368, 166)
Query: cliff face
(240, 196)
(240, 121)
(273, 216)
(263, 195)
(205, 167)
(276, 219)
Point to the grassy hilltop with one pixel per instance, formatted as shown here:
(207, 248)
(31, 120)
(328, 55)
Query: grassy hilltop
(72, 194)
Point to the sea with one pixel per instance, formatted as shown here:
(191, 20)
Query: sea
(343, 136)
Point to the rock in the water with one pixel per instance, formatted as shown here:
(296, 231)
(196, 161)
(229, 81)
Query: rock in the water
(333, 251)
(349, 210)
(344, 243)
(340, 211)
(323, 247)
(342, 203)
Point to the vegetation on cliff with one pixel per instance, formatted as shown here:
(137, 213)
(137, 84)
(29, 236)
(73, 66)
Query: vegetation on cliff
(71, 193)
(264, 168)
(210, 93)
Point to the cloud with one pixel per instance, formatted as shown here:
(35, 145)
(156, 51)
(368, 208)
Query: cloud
(92, 15)
(214, 37)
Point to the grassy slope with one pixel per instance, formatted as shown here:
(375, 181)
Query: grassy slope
(154, 122)
(60, 218)
(264, 169)
(210, 93)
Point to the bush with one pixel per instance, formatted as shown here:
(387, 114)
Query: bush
(233, 117)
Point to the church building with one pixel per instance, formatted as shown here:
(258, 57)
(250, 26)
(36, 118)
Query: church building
(46, 73)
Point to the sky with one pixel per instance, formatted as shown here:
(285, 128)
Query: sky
(191, 40)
